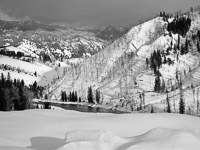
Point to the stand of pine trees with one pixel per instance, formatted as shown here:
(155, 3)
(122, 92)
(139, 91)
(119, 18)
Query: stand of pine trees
(73, 97)
(155, 61)
(14, 94)
(179, 25)
(63, 96)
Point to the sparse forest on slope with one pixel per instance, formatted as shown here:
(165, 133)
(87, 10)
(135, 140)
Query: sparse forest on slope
(138, 68)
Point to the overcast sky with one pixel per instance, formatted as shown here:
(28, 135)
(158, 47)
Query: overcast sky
(117, 12)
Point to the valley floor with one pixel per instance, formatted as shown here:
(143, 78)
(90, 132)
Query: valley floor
(63, 130)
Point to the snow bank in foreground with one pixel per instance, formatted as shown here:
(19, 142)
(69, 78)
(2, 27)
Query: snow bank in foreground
(45, 130)
(156, 139)
(90, 140)
(93, 135)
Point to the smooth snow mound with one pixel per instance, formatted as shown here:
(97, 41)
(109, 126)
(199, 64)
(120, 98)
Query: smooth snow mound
(92, 139)
(155, 139)
(90, 135)
(44, 130)
(165, 139)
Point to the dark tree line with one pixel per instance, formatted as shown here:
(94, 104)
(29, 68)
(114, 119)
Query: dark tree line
(14, 94)
(63, 96)
(73, 96)
(165, 15)
(11, 53)
(91, 96)
(155, 61)
(180, 25)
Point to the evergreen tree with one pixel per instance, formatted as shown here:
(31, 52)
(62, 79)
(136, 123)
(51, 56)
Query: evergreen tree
(8, 77)
(178, 46)
(97, 96)
(157, 86)
(182, 50)
(3, 103)
(152, 109)
(70, 96)
(155, 69)
(181, 102)
(198, 47)
(147, 62)
(2, 80)
(186, 46)
(181, 106)
(22, 83)
(21, 95)
(62, 96)
(24, 100)
(158, 59)
(163, 85)
(75, 97)
(79, 99)
(90, 95)
(15, 83)
(6, 99)
(65, 96)
(35, 73)
(168, 104)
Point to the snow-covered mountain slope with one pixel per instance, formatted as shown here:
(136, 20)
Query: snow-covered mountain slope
(58, 42)
(115, 63)
(120, 70)
(30, 71)
(45, 49)
(63, 130)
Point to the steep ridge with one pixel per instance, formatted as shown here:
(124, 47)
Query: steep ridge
(123, 71)
(106, 69)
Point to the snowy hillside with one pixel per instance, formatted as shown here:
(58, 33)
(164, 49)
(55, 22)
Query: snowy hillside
(123, 71)
(63, 130)
(30, 71)
(116, 62)
(58, 42)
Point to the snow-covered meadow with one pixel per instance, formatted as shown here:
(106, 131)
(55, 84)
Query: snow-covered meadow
(64, 130)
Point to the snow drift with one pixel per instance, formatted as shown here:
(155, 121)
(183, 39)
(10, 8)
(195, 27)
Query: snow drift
(45, 130)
